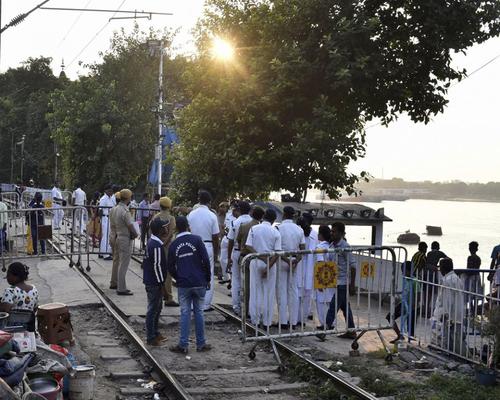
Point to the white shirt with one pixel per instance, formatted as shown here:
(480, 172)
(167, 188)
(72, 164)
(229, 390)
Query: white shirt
(56, 193)
(264, 238)
(203, 223)
(450, 303)
(228, 222)
(305, 268)
(292, 235)
(79, 197)
(106, 202)
(233, 233)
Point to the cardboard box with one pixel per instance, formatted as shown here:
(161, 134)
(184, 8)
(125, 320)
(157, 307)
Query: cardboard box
(26, 341)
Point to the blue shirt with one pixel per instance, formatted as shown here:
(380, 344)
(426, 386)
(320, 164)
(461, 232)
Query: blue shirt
(143, 210)
(154, 266)
(495, 252)
(188, 261)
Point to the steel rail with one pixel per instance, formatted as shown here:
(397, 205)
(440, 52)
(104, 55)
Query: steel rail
(167, 378)
(345, 386)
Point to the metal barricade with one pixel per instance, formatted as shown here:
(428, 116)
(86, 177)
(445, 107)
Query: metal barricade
(360, 281)
(455, 313)
(29, 229)
(11, 199)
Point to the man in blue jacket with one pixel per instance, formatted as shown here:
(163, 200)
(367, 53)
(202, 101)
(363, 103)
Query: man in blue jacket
(189, 265)
(154, 275)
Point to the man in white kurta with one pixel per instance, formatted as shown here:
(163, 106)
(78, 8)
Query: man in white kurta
(450, 309)
(305, 274)
(56, 206)
(323, 297)
(263, 238)
(80, 200)
(235, 251)
(231, 216)
(203, 222)
(106, 203)
(292, 239)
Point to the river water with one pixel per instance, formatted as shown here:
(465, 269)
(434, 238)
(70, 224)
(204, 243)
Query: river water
(462, 222)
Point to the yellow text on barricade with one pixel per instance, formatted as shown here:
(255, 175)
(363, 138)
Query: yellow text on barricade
(325, 274)
(367, 269)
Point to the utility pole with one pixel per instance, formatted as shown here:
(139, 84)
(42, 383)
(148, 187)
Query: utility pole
(154, 47)
(12, 148)
(160, 118)
(56, 154)
(22, 157)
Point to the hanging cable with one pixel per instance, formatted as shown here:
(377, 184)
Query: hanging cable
(95, 36)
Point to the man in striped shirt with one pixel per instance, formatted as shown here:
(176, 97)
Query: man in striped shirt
(154, 275)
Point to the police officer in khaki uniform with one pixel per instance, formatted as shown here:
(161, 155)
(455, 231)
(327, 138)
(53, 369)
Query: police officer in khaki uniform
(123, 226)
(166, 238)
(113, 284)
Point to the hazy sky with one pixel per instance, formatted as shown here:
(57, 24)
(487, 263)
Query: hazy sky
(463, 143)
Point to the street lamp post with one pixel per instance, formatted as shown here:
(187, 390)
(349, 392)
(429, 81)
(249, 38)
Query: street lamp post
(22, 155)
(155, 46)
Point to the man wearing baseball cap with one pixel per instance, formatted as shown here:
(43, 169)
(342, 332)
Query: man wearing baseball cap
(166, 237)
(122, 224)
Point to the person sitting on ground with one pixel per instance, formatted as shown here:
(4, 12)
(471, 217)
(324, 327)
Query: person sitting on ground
(154, 275)
(406, 308)
(20, 295)
(189, 264)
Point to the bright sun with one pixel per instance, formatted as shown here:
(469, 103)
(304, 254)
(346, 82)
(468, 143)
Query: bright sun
(222, 49)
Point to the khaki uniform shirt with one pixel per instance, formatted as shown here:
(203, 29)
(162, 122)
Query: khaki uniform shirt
(165, 215)
(120, 220)
(243, 235)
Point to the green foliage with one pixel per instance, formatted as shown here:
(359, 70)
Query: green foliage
(103, 123)
(24, 93)
(288, 112)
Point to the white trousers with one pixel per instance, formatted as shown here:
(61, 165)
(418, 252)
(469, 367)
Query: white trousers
(323, 299)
(209, 295)
(287, 295)
(304, 307)
(105, 245)
(58, 216)
(262, 293)
(224, 257)
(80, 221)
(236, 282)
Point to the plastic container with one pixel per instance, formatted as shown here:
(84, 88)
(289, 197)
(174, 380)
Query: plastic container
(81, 383)
(4, 317)
(47, 387)
(486, 377)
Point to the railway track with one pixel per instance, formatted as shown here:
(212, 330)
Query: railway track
(231, 370)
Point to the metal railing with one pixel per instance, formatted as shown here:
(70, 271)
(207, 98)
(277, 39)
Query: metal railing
(357, 280)
(28, 229)
(453, 314)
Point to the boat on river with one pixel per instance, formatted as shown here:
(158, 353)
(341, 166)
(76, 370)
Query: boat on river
(434, 230)
(408, 238)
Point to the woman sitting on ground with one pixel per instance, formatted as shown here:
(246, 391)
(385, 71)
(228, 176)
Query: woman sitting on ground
(20, 295)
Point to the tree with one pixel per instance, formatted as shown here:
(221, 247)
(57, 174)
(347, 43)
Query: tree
(23, 104)
(289, 112)
(103, 123)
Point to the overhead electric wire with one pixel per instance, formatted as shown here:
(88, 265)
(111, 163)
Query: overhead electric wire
(454, 83)
(73, 25)
(96, 35)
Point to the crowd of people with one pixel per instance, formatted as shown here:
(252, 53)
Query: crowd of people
(186, 244)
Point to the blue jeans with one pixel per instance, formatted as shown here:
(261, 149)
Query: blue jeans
(34, 239)
(192, 298)
(342, 304)
(155, 303)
